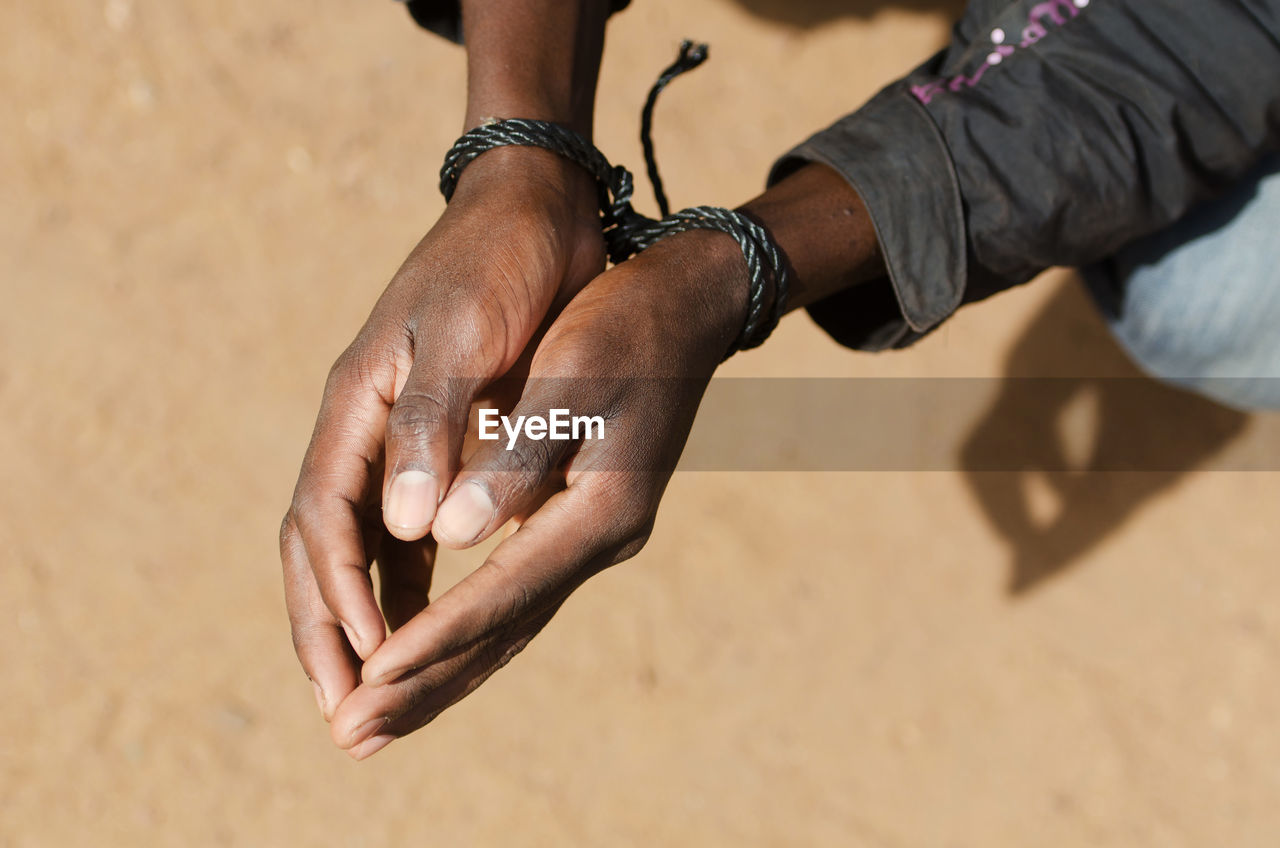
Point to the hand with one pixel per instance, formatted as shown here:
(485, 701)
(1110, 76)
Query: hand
(519, 239)
(636, 347)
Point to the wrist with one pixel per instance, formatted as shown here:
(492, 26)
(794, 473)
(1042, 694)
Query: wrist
(522, 175)
(700, 288)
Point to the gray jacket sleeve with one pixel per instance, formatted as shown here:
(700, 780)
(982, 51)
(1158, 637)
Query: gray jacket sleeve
(1049, 132)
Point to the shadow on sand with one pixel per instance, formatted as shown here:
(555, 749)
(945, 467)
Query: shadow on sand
(1139, 438)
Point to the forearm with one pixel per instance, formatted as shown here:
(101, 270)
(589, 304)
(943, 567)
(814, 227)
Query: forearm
(815, 218)
(823, 228)
(533, 59)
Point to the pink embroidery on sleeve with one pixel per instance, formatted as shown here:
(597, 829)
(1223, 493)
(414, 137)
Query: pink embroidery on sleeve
(1059, 12)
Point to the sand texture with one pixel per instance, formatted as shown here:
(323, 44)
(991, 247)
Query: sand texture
(200, 203)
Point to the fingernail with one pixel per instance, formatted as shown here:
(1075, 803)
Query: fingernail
(411, 502)
(369, 747)
(354, 639)
(364, 731)
(385, 677)
(320, 701)
(464, 514)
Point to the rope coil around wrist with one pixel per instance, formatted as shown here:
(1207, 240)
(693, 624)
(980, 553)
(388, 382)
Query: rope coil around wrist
(626, 231)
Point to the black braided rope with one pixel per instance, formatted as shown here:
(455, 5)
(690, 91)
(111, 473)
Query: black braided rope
(691, 56)
(765, 263)
(616, 183)
(626, 231)
(523, 132)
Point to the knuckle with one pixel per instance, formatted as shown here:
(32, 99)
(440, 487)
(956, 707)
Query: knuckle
(417, 416)
(635, 542)
(344, 370)
(628, 503)
(366, 363)
(630, 526)
(497, 653)
(306, 636)
(330, 568)
(302, 506)
(518, 595)
(529, 462)
(636, 522)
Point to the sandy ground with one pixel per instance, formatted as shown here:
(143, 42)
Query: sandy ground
(200, 203)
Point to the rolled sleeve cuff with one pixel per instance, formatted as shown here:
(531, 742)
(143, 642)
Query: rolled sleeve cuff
(894, 156)
(444, 17)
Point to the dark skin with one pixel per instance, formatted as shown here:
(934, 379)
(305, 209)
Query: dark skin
(509, 282)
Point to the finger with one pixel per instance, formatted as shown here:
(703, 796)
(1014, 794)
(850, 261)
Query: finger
(404, 579)
(332, 496)
(317, 636)
(506, 473)
(577, 533)
(373, 716)
(424, 438)
(370, 712)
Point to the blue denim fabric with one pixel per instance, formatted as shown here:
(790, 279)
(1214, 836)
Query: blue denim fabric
(1198, 304)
